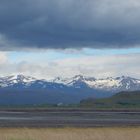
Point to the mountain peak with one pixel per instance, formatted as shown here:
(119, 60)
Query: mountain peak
(78, 77)
(10, 80)
(125, 78)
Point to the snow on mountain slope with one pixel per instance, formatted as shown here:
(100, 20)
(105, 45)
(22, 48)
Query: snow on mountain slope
(104, 83)
(15, 79)
(71, 81)
(107, 84)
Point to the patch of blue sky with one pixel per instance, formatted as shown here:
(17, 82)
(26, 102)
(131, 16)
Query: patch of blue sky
(39, 56)
(51, 55)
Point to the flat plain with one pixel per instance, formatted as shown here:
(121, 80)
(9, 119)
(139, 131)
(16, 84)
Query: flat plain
(105, 133)
(69, 124)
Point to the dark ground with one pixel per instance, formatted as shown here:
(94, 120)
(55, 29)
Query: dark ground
(68, 118)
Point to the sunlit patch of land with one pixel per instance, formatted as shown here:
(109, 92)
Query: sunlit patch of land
(114, 133)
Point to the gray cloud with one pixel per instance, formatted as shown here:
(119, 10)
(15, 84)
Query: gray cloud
(63, 24)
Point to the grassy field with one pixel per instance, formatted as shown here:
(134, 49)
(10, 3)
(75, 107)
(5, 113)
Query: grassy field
(70, 134)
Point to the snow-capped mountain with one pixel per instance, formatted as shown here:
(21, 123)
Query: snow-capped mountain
(16, 79)
(22, 89)
(107, 84)
(27, 82)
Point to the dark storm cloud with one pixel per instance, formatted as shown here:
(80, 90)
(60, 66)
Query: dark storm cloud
(62, 24)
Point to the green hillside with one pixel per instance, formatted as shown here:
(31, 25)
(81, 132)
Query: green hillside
(120, 100)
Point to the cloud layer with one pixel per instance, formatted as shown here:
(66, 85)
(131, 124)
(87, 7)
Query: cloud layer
(59, 24)
(96, 66)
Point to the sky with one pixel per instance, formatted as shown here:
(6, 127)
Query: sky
(51, 38)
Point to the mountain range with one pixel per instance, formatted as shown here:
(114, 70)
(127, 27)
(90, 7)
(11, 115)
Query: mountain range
(20, 89)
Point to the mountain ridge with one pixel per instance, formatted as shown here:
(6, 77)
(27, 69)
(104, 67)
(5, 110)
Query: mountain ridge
(125, 99)
(108, 84)
(20, 89)
(123, 83)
